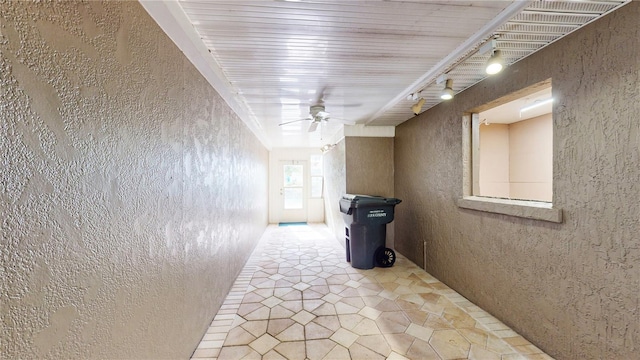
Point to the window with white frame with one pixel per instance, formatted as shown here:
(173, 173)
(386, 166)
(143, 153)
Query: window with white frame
(316, 176)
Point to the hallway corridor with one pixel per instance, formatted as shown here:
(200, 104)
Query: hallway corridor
(297, 298)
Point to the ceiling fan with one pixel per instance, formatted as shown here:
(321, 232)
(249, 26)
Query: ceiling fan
(318, 115)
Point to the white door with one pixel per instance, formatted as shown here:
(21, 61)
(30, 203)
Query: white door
(293, 190)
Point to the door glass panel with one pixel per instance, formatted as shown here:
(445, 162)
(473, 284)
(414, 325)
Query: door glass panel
(292, 198)
(293, 175)
(293, 190)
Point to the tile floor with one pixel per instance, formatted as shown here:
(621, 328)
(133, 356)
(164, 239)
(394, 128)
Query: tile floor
(297, 298)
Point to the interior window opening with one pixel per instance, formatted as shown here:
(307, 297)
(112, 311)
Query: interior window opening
(512, 147)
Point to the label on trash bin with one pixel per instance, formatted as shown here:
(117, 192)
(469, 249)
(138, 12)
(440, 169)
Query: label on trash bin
(376, 213)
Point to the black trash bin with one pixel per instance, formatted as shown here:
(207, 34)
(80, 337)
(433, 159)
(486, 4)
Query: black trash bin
(366, 218)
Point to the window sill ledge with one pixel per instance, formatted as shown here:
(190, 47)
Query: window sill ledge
(524, 209)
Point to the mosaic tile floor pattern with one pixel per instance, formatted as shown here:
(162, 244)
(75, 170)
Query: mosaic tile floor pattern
(297, 298)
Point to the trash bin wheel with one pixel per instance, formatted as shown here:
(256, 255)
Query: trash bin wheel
(385, 257)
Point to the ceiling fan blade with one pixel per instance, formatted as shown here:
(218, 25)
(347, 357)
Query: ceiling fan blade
(336, 102)
(293, 121)
(313, 126)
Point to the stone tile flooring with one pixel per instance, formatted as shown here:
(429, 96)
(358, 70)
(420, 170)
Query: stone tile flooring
(297, 298)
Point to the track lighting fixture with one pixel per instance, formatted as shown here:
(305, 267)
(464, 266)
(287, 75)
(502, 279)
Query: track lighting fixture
(327, 147)
(417, 107)
(415, 96)
(447, 92)
(495, 63)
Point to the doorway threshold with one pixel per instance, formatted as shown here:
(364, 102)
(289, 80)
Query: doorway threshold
(298, 223)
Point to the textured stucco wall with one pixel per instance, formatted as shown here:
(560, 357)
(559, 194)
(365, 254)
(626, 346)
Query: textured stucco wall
(570, 288)
(130, 194)
(369, 169)
(357, 165)
(335, 186)
(369, 162)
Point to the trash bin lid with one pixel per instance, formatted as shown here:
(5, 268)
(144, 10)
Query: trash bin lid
(368, 200)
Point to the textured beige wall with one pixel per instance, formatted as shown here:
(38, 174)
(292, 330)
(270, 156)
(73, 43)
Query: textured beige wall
(130, 194)
(570, 288)
(369, 163)
(335, 186)
(357, 165)
(369, 170)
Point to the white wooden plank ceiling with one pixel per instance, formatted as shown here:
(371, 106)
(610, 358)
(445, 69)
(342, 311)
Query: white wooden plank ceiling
(361, 59)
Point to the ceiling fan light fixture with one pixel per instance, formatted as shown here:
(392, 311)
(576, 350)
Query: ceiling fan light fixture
(447, 92)
(495, 63)
(323, 114)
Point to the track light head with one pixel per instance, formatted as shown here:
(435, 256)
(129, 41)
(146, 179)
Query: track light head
(495, 63)
(417, 107)
(447, 92)
(327, 147)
